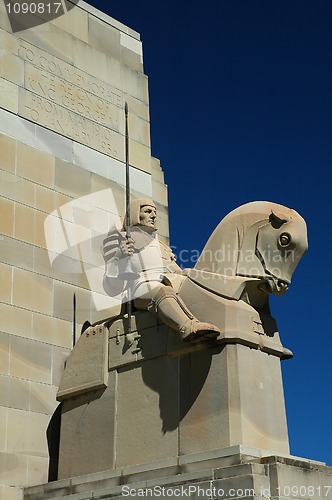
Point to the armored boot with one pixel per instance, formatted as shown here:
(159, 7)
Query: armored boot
(173, 312)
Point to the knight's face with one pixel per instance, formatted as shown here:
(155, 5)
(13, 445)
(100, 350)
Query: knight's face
(148, 216)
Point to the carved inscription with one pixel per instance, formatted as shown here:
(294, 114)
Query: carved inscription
(71, 102)
(65, 122)
(71, 97)
(61, 69)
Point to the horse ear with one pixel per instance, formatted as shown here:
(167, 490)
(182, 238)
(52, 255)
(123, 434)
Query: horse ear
(277, 219)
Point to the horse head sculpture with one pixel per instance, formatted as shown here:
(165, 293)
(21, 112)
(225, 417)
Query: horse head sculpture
(251, 254)
(259, 243)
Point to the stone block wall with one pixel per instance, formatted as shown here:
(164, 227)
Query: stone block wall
(63, 85)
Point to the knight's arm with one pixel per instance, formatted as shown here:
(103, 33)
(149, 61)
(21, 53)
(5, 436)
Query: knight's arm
(171, 265)
(112, 252)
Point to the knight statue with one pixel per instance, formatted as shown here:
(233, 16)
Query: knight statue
(154, 274)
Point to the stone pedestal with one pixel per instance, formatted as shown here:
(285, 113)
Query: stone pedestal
(235, 472)
(165, 399)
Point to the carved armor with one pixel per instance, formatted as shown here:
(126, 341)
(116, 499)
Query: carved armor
(148, 267)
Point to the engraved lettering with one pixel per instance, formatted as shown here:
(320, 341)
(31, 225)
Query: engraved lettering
(30, 55)
(74, 76)
(70, 124)
(72, 97)
(70, 101)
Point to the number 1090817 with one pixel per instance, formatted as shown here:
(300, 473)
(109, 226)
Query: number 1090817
(33, 8)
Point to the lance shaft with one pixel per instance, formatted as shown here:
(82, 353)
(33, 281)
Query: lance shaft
(127, 173)
(128, 221)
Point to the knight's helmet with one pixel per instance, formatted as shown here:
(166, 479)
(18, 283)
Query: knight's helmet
(135, 207)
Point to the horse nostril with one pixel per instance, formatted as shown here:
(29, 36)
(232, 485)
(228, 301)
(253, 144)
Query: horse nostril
(282, 284)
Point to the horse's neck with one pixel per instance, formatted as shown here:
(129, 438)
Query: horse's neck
(219, 256)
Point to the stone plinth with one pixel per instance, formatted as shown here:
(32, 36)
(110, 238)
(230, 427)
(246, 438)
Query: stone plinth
(236, 472)
(166, 399)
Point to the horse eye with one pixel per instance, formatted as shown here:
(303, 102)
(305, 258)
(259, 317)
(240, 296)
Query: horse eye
(285, 239)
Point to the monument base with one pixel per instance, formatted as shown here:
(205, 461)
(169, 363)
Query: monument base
(162, 398)
(233, 472)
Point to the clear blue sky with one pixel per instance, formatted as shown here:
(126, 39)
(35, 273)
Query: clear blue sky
(241, 110)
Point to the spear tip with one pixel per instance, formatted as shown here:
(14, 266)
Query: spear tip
(126, 108)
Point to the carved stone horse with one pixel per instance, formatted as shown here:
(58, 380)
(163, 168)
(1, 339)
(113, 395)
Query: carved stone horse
(185, 397)
(252, 253)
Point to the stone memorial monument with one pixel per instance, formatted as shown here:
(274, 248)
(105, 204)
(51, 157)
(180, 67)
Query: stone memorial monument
(122, 374)
(64, 82)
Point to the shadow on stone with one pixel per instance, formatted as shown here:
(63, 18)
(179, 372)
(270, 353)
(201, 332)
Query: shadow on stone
(194, 370)
(178, 380)
(53, 443)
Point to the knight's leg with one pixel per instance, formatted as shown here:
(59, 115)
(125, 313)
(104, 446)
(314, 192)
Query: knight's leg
(144, 293)
(173, 312)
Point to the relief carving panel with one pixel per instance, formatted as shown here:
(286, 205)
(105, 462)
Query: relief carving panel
(73, 125)
(73, 103)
